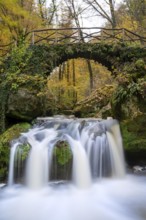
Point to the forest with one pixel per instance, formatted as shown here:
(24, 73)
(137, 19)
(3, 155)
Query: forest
(78, 86)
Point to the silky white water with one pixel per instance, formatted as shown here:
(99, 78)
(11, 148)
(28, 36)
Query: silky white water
(11, 165)
(98, 187)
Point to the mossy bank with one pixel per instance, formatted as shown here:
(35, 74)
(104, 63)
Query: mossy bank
(5, 139)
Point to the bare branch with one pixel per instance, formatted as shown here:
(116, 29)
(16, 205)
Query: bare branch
(99, 9)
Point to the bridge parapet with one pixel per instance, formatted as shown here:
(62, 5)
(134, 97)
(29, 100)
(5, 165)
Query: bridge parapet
(85, 35)
(55, 36)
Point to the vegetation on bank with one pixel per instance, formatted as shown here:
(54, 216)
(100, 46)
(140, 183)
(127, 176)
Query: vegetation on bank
(134, 140)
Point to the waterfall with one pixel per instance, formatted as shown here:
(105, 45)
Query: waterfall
(96, 147)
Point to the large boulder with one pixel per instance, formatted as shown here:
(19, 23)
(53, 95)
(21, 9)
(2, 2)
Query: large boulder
(24, 104)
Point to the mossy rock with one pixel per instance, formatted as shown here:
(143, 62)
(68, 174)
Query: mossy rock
(62, 161)
(134, 139)
(5, 139)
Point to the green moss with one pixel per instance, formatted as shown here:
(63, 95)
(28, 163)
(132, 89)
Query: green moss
(13, 132)
(62, 152)
(140, 63)
(5, 138)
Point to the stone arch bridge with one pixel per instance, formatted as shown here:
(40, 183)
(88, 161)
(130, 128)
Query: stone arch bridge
(114, 57)
(111, 48)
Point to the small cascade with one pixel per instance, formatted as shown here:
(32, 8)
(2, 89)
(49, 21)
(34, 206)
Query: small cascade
(11, 164)
(96, 147)
(116, 153)
(36, 167)
(37, 172)
(81, 167)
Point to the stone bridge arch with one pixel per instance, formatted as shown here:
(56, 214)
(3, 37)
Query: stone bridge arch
(113, 56)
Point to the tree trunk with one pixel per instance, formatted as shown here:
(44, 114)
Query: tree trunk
(112, 11)
(90, 74)
(73, 73)
(67, 72)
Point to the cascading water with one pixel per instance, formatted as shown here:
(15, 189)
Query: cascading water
(98, 187)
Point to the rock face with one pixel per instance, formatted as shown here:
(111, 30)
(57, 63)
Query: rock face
(24, 105)
(134, 140)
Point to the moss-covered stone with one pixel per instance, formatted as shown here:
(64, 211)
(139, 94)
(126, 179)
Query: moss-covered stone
(97, 104)
(5, 139)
